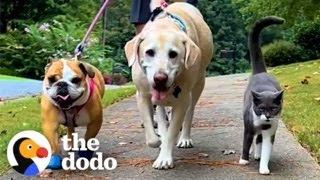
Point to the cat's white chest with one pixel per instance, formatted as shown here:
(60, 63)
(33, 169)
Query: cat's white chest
(259, 121)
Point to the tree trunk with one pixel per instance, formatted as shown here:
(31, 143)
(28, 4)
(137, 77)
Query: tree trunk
(3, 25)
(3, 22)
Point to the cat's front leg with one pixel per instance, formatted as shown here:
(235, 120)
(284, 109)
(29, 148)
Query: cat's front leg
(257, 147)
(247, 141)
(267, 144)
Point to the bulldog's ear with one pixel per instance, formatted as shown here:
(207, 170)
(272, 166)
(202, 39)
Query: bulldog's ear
(192, 52)
(132, 49)
(87, 70)
(47, 67)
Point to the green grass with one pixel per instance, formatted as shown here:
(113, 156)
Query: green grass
(301, 112)
(5, 77)
(24, 114)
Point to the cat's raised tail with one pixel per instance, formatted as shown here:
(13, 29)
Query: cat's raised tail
(257, 61)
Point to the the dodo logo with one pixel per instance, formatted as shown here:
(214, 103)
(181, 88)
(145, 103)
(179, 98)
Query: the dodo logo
(29, 153)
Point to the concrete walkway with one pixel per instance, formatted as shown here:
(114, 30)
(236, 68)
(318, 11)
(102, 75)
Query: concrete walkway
(217, 126)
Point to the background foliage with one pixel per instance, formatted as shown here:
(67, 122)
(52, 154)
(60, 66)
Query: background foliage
(33, 32)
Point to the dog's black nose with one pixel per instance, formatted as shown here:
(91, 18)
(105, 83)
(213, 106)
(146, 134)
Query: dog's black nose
(160, 79)
(62, 88)
(61, 84)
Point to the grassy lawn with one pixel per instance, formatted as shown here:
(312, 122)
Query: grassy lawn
(24, 114)
(5, 77)
(301, 105)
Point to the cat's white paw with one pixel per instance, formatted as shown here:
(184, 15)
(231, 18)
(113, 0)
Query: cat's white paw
(163, 162)
(185, 143)
(243, 162)
(264, 171)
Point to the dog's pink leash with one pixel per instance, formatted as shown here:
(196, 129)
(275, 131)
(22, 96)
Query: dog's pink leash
(80, 47)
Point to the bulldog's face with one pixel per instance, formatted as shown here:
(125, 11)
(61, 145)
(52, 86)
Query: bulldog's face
(163, 55)
(65, 82)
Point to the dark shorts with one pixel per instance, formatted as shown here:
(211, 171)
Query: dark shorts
(140, 10)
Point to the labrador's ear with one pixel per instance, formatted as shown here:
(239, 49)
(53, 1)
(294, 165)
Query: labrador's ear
(87, 70)
(132, 49)
(192, 52)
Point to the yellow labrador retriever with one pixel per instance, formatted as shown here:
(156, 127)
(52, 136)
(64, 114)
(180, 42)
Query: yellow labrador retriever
(169, 58)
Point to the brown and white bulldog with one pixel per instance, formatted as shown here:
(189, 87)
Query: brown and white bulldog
(72, 92)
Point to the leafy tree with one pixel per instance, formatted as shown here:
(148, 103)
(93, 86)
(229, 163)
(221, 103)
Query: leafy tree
(226, 24)
(301, 27)
(292, 10)
(118, 31)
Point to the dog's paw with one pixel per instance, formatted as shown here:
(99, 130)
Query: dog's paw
(163, 162)
(185, 143)
(154, 142)
(264, 171)
(243, 162)
(55, 162)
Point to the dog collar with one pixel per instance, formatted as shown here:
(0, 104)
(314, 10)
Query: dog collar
(178, 21)
(71, 122)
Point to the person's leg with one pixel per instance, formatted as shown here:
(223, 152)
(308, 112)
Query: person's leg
(193, 2)
(140, 14)
(139, 28)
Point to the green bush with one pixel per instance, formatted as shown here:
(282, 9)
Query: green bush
(29, 51)
(307, 35)
(282, 52)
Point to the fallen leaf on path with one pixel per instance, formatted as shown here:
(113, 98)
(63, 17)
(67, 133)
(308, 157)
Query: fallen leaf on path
(203, 155)
(228, 152)
(122, 143)
(113, 122)
(307, 77)
(136, 162)
(46, 173)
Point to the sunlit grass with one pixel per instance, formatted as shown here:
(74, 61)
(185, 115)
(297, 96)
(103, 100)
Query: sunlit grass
(5, 77)
(301, 111)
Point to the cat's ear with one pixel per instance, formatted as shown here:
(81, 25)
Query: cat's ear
(278, 97)
(256, 97)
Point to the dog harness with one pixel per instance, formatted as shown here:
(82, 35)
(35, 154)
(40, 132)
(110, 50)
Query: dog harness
(178, 21)
(71, 122)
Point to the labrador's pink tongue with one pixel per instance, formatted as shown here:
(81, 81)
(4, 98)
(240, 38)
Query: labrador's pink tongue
(158, 95)
(63, 97)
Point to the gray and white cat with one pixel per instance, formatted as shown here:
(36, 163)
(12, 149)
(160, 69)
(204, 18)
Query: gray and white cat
(262, 102)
